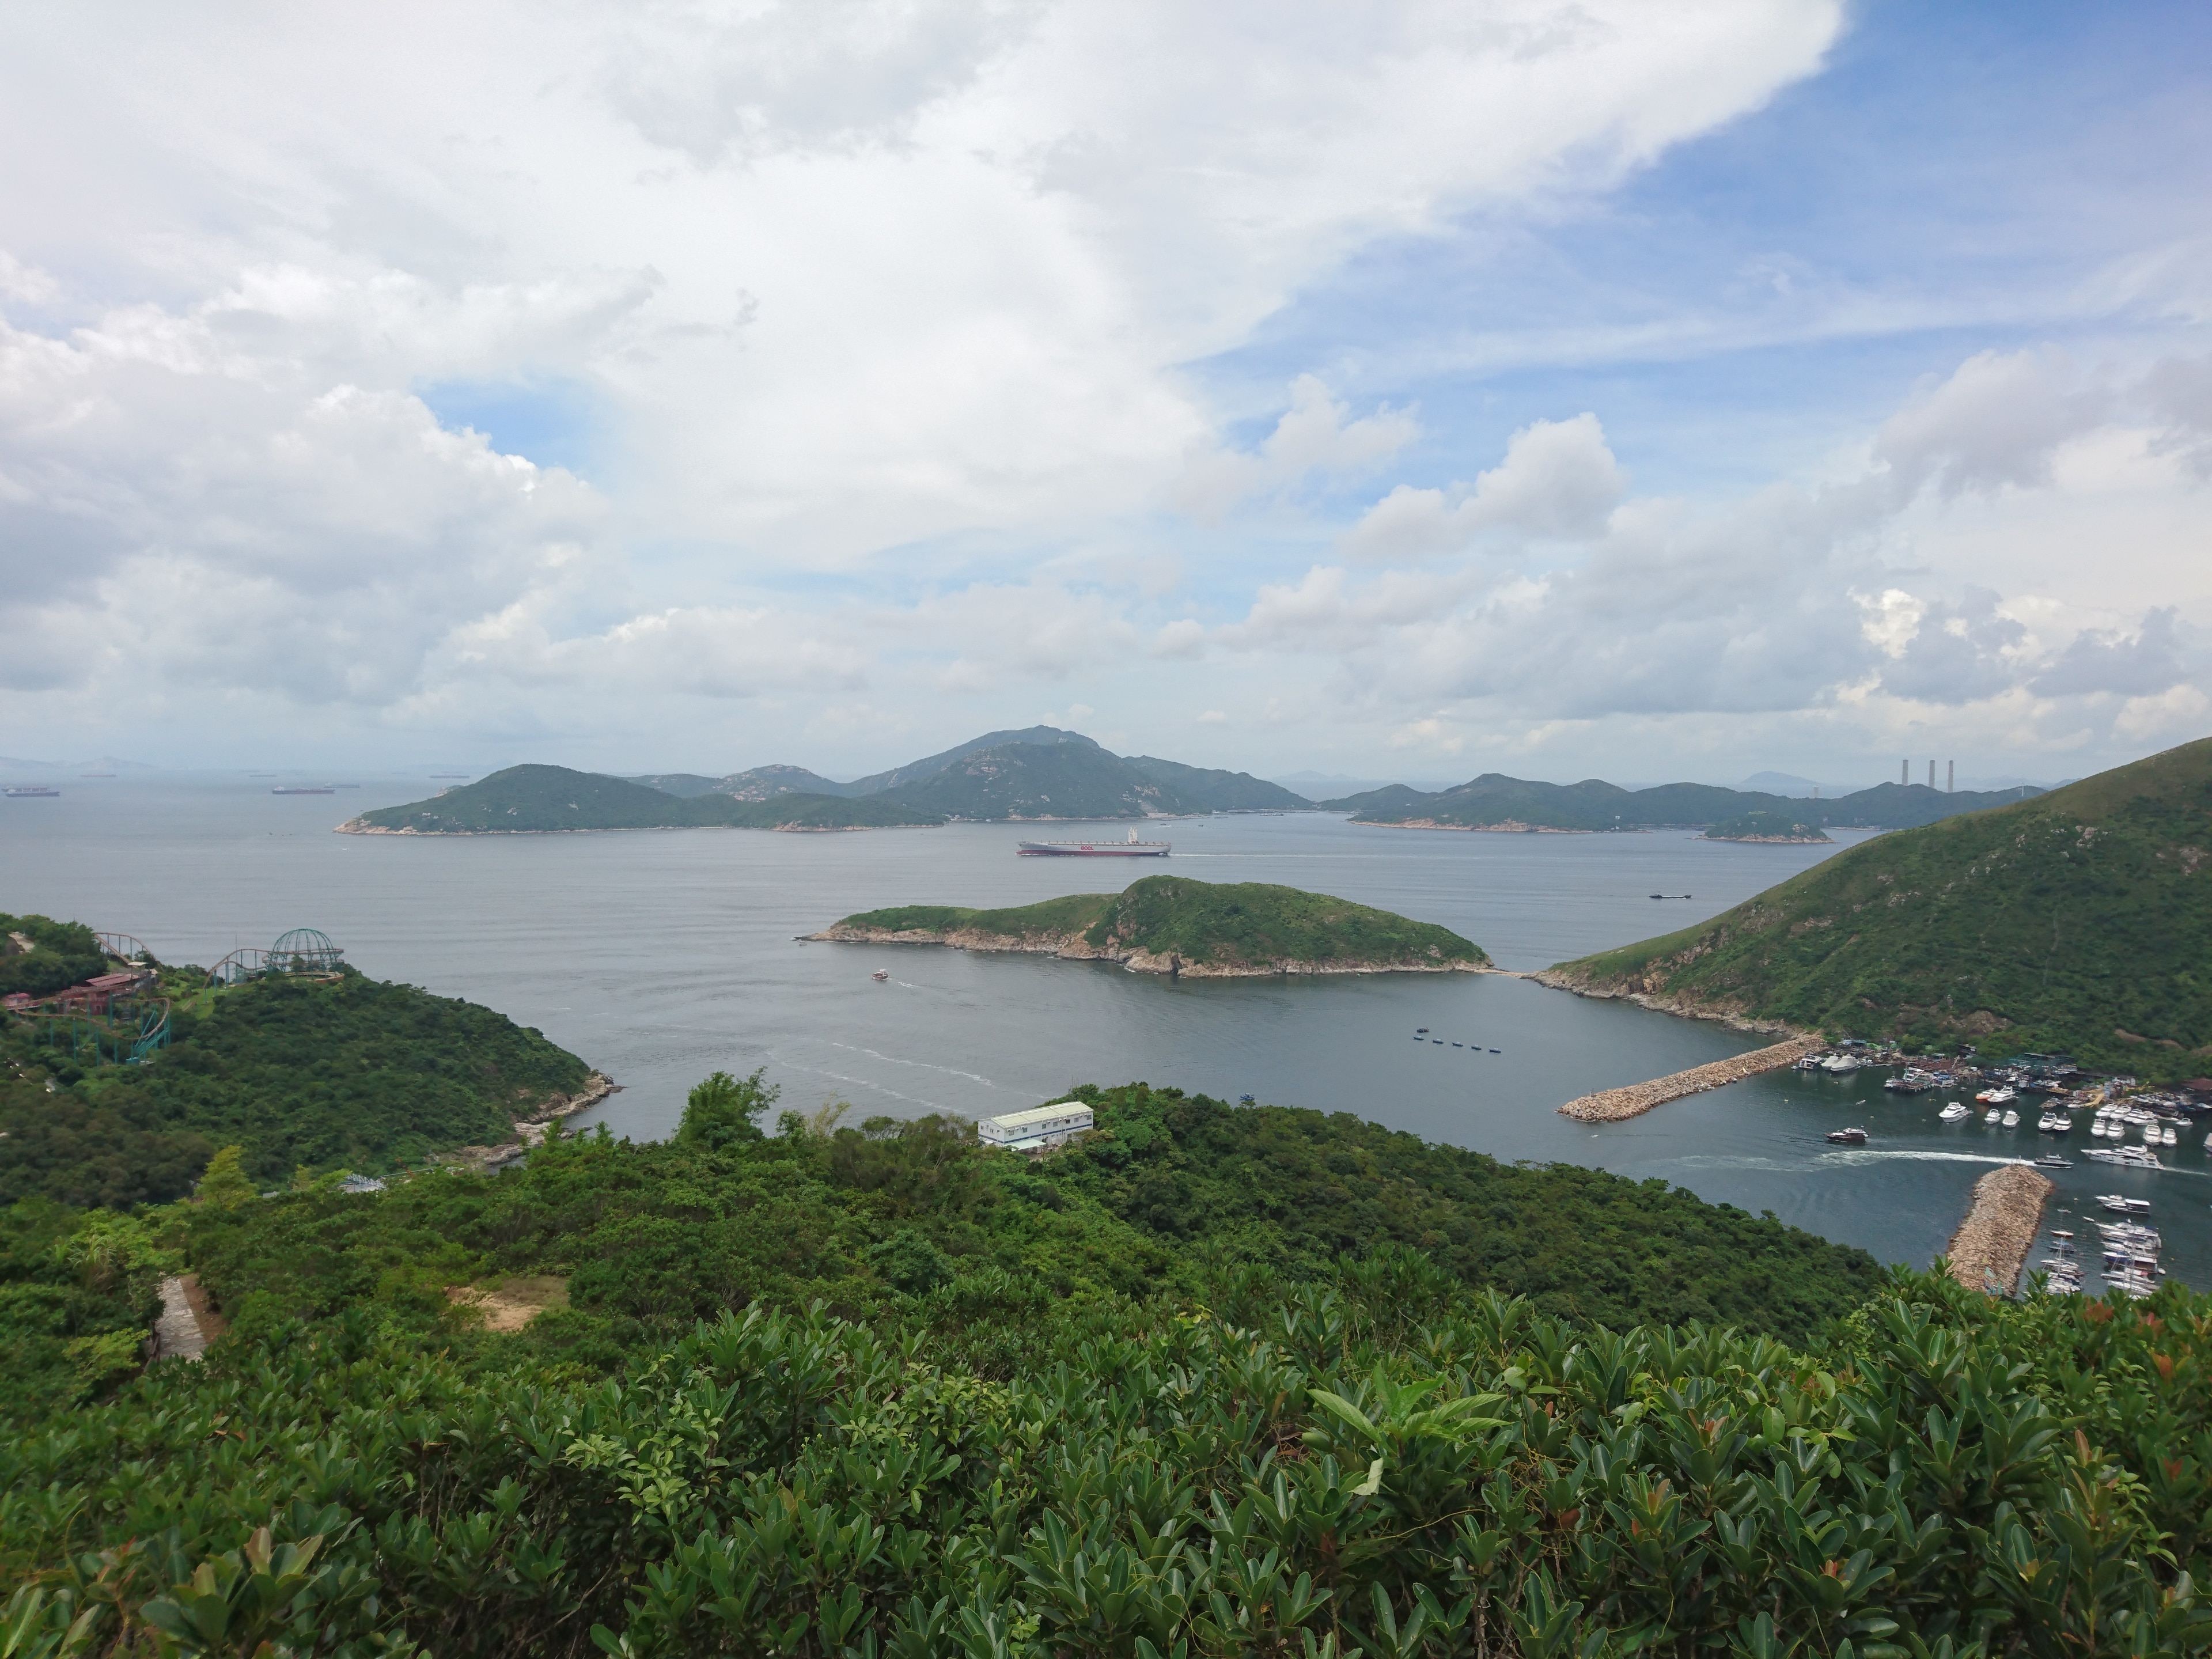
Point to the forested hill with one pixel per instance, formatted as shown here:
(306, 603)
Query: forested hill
(1174, 923)
(2075, 922)
(354, 1073)
(530, 799)
(1496, 801)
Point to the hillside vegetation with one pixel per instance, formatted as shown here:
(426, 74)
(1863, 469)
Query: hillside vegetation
(1496, 800)
(1252, 925)
(355, 1074)
(879, 1391)
(40, 956)
(2073, 922)
(530, 799)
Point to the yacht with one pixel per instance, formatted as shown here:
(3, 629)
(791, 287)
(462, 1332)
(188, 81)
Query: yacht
(1840, 1064)
(1952, 1113)
(1848, 1137)
(1992, 1116)
(2011, 1117)
(1997, 1096)
(2169, 1136)
(2121, 1203)
(2052, 1161)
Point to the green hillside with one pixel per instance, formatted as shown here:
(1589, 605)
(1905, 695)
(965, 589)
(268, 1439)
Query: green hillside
(527, 799)
(841, 1392)
(2075, 922)
(1592, 805)
(1034, 781)
(1202, 922)
(1210, 789)
(356, 1074)
(40, 956)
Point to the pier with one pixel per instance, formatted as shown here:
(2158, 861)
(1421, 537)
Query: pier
(1992, 1244)
(1612, 1105)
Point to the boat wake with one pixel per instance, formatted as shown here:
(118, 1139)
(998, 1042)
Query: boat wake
(922, 1065)
(1868, 1155)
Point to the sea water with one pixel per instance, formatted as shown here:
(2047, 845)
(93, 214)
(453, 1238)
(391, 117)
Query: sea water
(661, 956)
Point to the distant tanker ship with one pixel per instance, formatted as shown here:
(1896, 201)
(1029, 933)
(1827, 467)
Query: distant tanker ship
(1131, 848)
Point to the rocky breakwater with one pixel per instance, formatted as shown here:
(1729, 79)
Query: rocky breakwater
(1992, 1244)
(1612, 1105)
(531, 1131)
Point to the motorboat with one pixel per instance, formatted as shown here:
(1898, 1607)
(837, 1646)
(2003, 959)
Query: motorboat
(1952, 1113)
(1997, 1096)
(2170, 1136)
(2011, 1117)
(2052, 1161)
(1840, 1064)
(1992, 1116)
(1808, 1062)
(880, 974)
(1848, 1137)
(2120, 1204)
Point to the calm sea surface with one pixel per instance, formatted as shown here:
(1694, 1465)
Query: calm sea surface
(662, 956)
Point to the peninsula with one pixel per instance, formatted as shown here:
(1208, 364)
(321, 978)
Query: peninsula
(2073, 923)
(551, 800)
(1781, 827)
(1180, 927)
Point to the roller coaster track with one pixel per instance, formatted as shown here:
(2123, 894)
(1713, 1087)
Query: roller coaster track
(124, 947)
(238, 966)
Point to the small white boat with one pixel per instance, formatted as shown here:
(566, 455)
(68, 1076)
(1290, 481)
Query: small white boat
(2169, 1136)
(1952, 1113)
(880, 974)
(1995, 1097)
(1992, 1116)
(2052, 1161)
(2151, 1136)
(2120, 1204)
(2011, 1117)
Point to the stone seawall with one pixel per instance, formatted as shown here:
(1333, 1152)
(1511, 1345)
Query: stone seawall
(1611, 1105)
(1992, 1244)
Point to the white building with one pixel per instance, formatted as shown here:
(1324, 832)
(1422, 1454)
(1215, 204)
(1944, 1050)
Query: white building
(1040, 1126)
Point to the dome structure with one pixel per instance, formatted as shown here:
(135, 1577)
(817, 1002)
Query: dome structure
(305, 951)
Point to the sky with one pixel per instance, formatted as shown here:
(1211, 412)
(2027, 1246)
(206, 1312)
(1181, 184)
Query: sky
(1631, 388)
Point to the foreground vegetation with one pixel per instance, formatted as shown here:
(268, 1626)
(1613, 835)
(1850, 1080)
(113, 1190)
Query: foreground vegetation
(882, 1392)
(2073, 922)
(353, 1073)
(1219, 924)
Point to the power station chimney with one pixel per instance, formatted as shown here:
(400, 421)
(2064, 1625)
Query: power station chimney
(1931, 774)
(1905, 771)
(1950, 776)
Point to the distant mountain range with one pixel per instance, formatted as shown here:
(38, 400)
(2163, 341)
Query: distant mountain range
(1041, 773)
(1494, 802)
(1037, 774)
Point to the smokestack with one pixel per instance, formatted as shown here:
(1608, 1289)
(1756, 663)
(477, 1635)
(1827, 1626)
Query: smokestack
(1905, 771)
(1950, 776)
(1931, 774)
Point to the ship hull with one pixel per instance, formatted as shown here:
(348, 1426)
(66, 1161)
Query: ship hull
(1058, 849)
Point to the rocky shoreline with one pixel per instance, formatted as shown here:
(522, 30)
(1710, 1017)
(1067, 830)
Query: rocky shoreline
(1734, 1019)
(1991, 1245)
(531, 1131)
(362, 827)
(1612, 1105)
(1073, 947)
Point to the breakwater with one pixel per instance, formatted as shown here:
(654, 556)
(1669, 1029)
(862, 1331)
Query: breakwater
(1992, 1244)
(1611, 1105)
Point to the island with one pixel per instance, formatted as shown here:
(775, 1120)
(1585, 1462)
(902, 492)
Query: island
(1776, 827)
(1185, 928)
(524, 800)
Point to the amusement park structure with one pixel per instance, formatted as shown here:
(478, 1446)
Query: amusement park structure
(122, 1019)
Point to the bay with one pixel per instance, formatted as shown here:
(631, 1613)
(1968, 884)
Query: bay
(662, 956)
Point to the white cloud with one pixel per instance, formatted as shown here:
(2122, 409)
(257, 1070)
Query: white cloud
(1312, 436)
(1559, 481)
